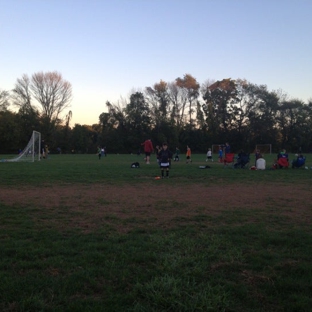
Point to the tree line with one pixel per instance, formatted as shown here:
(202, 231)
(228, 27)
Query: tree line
(182, 112)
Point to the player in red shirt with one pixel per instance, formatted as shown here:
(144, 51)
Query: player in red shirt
(148, 149)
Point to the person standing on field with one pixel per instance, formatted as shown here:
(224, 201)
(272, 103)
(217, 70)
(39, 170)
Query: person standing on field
(148, 149)
(46, 151)
(177, 153)
(43, 154)
(209, 155)
(220, 154)
(188, 154)
(99, 152)
(227, 148)
(165, 157)
(158, 149)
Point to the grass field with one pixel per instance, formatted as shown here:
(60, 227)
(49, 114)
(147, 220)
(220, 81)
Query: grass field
(82, 234)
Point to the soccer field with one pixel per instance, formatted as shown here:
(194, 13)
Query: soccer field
(115, 168)
(83, 234)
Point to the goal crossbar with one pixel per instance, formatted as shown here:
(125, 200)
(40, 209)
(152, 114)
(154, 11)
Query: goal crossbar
(215, 148)
(264, 148)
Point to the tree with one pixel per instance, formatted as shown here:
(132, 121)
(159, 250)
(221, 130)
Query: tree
(189, 84)
(158, 98)
(174, 93)
(63, 135)
(261, 113)
(52, 93)
(291, 118)
(240, 132)
(4, 100)
(113, 128)
(10, 132)
(22, 96)
(138, 121)
(29, 120)
(162, 120)
(220, 98)
(205, 85)
(83, 139)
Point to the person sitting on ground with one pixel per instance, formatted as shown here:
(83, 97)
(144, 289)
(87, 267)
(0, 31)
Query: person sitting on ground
(298, 162)
(257, 155)
(242, 159)
(282, 159)
(260, 163)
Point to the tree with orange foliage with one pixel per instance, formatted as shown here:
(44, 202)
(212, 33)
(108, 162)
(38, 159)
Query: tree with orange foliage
(190, 86)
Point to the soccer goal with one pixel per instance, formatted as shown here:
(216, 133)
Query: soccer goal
(32, 150)
(264, 148)
(215, 148)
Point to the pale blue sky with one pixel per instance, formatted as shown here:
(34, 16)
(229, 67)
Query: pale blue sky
(107, 48)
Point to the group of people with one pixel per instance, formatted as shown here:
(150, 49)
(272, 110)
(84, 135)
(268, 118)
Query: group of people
(101, 152)
(282, 161)
(164, 155)
(223, 150)
(260, 163)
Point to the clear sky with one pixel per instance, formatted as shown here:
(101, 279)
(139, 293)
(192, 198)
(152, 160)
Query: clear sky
(108, 48)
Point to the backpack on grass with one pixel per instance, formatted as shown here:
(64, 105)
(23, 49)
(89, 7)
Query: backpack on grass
(135, 165)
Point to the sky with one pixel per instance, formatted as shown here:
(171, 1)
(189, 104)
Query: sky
(108, 49)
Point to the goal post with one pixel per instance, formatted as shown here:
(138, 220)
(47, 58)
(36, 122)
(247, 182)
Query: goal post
(215, 148)
(32, 150)
(264, 148)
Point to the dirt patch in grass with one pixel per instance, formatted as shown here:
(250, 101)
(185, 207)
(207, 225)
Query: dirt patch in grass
(161, 204)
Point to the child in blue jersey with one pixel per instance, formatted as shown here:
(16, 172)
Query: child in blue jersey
(220, 154)
(299, 162)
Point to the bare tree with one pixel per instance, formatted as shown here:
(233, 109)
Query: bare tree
(178, 101)
(205, 85)
(52, 93)
(4, 100)
(22, 94)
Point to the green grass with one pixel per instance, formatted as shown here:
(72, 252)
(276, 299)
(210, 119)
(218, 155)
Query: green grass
(223, 262)
(115, 169)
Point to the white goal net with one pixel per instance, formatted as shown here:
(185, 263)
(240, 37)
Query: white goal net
(264, 148)
(216, 147)
(32, 150)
